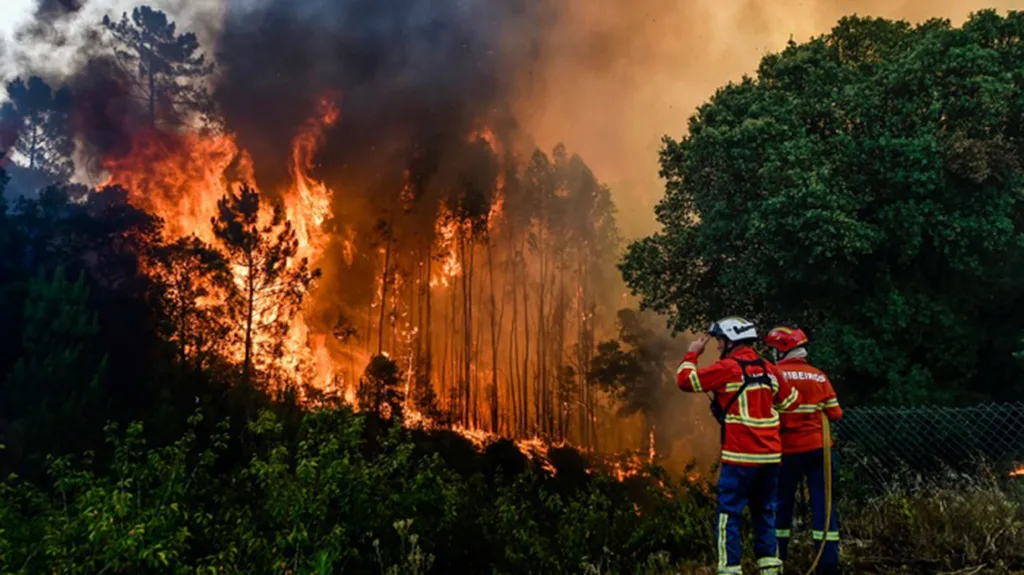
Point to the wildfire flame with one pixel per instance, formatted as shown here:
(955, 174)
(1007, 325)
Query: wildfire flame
(181, 177)
(1018, 471)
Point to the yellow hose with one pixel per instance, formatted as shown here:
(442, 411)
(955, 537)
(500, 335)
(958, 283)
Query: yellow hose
(826, 443)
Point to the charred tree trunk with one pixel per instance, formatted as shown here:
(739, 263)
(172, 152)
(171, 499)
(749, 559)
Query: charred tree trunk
(384, 290)
(542, 376)
(250, 312)
(494, 341)
(428, 333)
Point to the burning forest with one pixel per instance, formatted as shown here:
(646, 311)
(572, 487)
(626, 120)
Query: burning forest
(350, 211)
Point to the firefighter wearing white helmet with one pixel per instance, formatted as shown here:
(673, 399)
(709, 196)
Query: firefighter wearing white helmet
(746, 390)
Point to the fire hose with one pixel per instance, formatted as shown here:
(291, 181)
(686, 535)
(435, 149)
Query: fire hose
(826, 444)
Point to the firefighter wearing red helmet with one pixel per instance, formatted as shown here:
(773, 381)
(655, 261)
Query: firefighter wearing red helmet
(746, 392)
(803, 445)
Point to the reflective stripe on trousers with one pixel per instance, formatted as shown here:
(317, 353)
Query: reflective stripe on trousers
(809, 466)
(739, 487)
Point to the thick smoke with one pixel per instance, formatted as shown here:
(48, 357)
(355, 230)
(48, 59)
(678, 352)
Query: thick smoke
(414, 78)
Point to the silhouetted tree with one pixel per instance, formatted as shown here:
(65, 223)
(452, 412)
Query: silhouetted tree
(261, 246)
(39, 119)
(380, 390)
(193, 279)
(634, 369)
(167, 68)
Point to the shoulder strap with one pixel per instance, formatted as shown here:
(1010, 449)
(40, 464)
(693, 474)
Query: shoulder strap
(762, 378)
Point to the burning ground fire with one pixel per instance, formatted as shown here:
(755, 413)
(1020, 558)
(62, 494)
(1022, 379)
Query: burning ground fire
(1018, 471)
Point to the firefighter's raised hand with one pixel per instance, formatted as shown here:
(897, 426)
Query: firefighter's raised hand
(698, 344)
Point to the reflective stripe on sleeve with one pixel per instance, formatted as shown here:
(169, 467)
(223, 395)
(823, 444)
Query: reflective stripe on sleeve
(694, 380)
(793, 396)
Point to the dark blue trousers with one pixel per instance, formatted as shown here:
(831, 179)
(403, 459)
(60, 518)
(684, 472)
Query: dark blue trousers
(738, 487)
(810, 466)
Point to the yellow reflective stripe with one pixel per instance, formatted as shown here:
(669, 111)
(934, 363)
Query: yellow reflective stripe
(832, 535)
(736, 570)
(751, 457)
(685, 365)
(723, 551)
(694, 380)
(734, 387)
(802, 409)
(832, 403)
(769, 562)
(784, 533)
(793, 396)
(753, 421)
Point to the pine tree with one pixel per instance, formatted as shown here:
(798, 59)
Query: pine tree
(53, 393)
(167, 67)
(270, 281)
(41, 122)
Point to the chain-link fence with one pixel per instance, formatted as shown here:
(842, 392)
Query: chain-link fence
(878, 444)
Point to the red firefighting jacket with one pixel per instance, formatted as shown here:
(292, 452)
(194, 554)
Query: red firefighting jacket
(752, 423)
(801, 427)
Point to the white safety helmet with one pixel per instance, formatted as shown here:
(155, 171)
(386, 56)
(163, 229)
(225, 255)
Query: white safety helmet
(734, 330)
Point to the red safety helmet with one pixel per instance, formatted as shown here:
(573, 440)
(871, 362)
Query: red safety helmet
(785, 338)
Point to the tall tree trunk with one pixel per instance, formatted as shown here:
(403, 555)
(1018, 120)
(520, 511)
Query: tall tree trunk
(529, 383)
(384, 290)
(542, 376)
(494, 341)
(249, 318)
(428, 333)
(513, 350)
(34, 145)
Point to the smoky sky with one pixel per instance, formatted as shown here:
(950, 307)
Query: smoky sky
(411, 77)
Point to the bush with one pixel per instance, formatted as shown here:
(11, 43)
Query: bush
(956, 522)
(319, 501)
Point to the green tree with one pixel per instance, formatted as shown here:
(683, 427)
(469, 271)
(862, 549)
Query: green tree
(271, 282)
(192, 279)
(867, 184)
(167, 67)
(53, 394)
(41, 120)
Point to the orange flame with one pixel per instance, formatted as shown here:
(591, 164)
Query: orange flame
(1018, 472)
(181, 176)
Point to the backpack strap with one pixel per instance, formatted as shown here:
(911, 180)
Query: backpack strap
(762, 378)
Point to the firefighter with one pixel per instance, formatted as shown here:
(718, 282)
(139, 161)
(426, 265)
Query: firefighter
(803, 445)
(746, 390)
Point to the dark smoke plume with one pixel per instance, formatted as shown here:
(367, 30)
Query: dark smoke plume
(414, 77)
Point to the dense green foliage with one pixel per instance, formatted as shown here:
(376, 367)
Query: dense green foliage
(319, 499)
(866, 184)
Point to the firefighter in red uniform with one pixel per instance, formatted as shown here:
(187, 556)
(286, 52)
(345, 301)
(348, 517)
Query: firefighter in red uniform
(746, 391)
(802, 443)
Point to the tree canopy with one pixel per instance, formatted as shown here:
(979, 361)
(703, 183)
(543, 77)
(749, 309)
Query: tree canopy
(39, 119)
(866, 184)
(167, 66)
